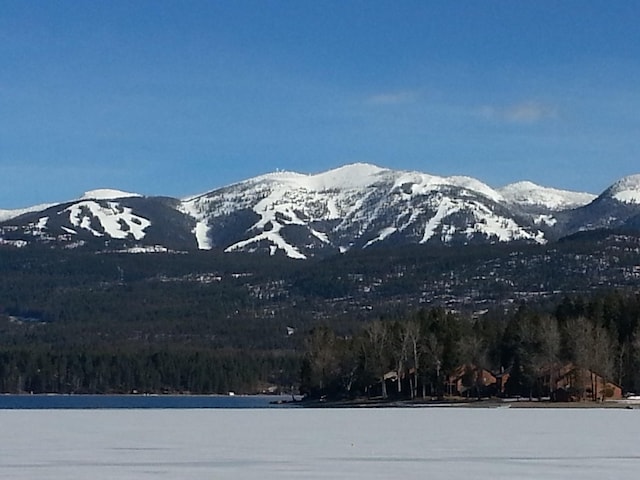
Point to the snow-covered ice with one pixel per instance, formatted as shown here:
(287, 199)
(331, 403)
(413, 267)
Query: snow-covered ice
(452, 443)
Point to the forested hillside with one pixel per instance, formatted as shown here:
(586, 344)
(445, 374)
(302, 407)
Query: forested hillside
(77, 321)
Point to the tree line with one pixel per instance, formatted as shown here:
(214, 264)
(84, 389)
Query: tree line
(415, 355)
(44, 370)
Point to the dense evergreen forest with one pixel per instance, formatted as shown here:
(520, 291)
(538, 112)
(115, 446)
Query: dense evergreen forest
(423, 352)
(76, 322)
(208, 322)
(153, 370)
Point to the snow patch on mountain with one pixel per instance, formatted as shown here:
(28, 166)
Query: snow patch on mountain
(548, 220)
(529, 194)
(502, 228)
(194, 208)
(201, 231)
(323, 237)
(484, 221)
(37, 228)
(382, 235)
(272, 220)
(446, 207)
(116, 221)
(146, 249)
(42, 223)
(14, 243)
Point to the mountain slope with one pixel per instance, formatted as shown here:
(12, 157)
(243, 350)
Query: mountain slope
(618, 206)
(100, 221)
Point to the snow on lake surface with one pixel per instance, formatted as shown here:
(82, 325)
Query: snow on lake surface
(452, 443)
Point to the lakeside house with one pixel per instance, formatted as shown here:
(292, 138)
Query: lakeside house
(561, 382)
(570, 383)
(472, 380)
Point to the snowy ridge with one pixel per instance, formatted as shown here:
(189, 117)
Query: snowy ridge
(528, 194)
(305, 215)
(9, 214)
(357, 175)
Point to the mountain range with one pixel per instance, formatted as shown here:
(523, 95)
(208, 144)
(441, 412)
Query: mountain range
(302, 216)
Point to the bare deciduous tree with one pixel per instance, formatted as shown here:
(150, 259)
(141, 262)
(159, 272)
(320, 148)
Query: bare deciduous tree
(376, 351)
(411, 335)
(591, 348)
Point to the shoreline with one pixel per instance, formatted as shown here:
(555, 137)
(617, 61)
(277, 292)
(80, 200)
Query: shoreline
(465, 403)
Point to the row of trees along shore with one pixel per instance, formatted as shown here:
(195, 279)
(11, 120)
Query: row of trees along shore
(422, 350)
(600, 333)
(168, 370)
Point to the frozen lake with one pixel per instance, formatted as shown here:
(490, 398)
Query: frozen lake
(453, 443)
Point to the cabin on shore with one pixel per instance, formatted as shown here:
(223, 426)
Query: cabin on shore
(570, 383)
(561, 382)
(471, 380)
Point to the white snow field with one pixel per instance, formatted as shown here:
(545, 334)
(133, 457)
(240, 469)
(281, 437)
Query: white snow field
(451, 443)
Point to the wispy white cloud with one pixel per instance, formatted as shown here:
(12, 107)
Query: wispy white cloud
(401, 97)
(524, 112)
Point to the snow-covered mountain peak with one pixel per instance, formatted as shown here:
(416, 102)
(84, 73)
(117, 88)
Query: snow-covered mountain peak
(356, 205)
(356, 175)
(351, 176)
(625, 190)
(529, 194)
(280, 176)
(107, 194)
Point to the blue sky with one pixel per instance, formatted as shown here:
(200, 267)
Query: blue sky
(181, 97)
